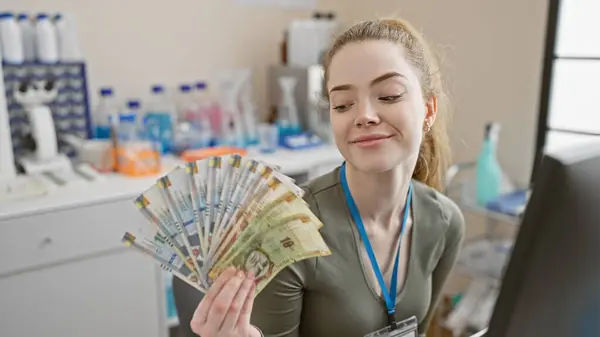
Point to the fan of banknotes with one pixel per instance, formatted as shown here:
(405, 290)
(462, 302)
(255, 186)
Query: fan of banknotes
(226, 211)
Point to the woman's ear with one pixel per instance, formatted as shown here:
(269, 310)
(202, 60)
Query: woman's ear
(431, 112)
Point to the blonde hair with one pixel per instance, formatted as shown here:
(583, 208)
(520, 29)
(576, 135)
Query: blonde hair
(434, 153)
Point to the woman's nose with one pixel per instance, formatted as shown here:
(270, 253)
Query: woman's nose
(366, 115)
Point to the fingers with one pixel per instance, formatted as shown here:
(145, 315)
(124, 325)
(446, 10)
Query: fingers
(200, 317)
(245, 313)
(238, 303)
(220, 307)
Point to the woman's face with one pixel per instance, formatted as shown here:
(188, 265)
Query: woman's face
(377, 108)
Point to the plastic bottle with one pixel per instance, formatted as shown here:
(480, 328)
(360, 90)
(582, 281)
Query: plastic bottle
(107, 109)
(488, 170)
(127, 130)
(204, 105)
(185, 104)
(134, 107)
(160, 119)
(12, 41)
(28, 36)
(68, 43)
(46, 40)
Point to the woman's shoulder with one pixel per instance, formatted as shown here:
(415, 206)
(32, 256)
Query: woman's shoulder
(442, 207)
(323, 190)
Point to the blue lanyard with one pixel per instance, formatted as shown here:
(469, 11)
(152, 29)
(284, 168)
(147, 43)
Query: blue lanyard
(389, 296)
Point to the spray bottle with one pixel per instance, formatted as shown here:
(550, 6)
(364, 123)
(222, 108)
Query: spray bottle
(232, 132)
(488, 170)
(248, 109)
(287, 111)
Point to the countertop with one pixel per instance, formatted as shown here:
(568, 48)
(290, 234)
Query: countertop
(120, 187)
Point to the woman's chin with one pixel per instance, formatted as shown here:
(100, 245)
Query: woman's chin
(372, 165)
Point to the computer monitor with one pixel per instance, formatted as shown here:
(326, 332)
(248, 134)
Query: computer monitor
(551, 285)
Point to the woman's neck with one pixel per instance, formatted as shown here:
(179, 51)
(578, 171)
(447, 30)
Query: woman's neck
(380, 197)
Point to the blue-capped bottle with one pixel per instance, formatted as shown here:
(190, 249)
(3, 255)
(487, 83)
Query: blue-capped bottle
(160, 118)
(106, 110)
(488, 170)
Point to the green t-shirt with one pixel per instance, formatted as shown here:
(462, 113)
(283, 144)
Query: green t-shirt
(331, 296)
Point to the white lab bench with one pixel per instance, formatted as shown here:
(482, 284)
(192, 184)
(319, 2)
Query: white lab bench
(65, 272)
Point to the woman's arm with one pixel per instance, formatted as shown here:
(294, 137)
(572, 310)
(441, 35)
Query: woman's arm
(452, 246)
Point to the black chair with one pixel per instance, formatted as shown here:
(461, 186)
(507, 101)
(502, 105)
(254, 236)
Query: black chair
(186, 301)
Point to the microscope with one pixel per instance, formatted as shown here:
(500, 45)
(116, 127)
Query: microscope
(34, 96)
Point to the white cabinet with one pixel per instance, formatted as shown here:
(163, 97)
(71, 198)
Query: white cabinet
(112, 295)
(66, 273)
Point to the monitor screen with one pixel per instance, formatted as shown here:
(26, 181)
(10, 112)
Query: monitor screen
(551, 286)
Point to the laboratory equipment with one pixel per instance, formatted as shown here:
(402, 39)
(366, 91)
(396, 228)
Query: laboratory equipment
(308, 40)
(159, 119)
(7, 164)
(232, 130)
(11, 39)
(551, 284)
(28, 35)
(269, 137)
(488, 170)
(106, 110)
(313, 112)
(46, 40)
(248, 108)
(287, 111)
(34, 97)
(68, 42)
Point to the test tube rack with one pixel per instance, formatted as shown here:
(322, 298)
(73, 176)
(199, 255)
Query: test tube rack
(70, 109)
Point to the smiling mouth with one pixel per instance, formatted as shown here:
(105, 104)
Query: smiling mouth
(369, 139)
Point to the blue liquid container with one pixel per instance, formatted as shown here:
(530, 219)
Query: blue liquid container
(488, 170)
(159, 121)
(105, 111)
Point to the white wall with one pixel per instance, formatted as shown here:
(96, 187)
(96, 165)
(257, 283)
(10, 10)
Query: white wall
(492, 52)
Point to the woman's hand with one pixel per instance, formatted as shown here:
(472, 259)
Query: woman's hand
(225, 309)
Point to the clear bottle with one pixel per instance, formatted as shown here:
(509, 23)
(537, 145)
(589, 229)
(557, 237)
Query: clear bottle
(204, 117)
(488, 170)
(186, 107)
(106, 110)
(68, 42)
(11, 38)
(134, 107)
(28, 35)
(159, 119)
(127, 130)
(46, 40)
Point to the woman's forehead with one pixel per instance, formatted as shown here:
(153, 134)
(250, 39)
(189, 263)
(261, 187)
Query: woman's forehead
(359, 63)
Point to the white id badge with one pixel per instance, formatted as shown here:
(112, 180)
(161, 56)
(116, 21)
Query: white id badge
(406, 328)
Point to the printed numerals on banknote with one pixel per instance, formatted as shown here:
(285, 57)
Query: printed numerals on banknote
(225, 211)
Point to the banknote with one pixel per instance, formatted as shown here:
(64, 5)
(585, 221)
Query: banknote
(252, 175)
(178, 193)
(262, 215)
(164, 254)
(281, 243)
(156, 210)
(231, 176)
(248, 210)
(223, 211)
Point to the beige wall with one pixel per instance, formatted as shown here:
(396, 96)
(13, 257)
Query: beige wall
(492, 52)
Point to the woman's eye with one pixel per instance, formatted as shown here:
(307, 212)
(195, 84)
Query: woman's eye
(342, 108)
(390, 98)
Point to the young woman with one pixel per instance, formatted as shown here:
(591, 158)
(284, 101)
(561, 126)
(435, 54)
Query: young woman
(394, 237)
